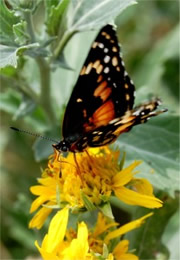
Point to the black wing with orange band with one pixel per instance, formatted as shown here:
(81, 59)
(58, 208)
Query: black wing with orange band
(103, 91)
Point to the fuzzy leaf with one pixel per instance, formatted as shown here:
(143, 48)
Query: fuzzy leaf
(148, 238)
(87, 15)
(106, 210)
(25, 5)
(9, 55)
(26, 107)
(88, 204)
(157, 144)
(8, 19)
(19, 30)
(9, 101)
(54, 17)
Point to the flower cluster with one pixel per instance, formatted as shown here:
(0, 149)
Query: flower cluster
(85, 181)
(62, 244)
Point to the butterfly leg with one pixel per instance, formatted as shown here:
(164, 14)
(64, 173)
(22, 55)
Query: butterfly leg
(77, 165)
(61, 161)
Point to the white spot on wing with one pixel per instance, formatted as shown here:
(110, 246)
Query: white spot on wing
(101, 45)
(107, 59)
(106, 70)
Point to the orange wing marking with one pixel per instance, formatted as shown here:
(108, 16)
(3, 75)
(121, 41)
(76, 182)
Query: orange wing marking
(101, 116)
(103, 91)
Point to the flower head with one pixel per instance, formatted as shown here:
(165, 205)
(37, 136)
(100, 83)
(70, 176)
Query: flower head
(84, 244)
(89, 179)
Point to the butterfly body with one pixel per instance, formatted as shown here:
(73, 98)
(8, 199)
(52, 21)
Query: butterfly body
(101, 104)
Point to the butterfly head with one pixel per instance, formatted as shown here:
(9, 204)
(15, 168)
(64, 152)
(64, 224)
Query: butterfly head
(62, 146)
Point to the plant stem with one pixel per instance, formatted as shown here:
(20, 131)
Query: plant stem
(67, 35)
(30, 26)
(45, 96)
(44, 70)
(21, 86)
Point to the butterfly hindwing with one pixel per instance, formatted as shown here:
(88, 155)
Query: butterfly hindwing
(103, 91)
(109, 133)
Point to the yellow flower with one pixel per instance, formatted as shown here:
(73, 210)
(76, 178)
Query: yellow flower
(55, 246)
(90, 180)
(84, 244)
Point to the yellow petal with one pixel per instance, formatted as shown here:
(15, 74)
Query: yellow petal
(102, 225)
(45, 255)
(128, 257)
(110, 257)
(121, 248)
(57, 229)
(126, 228)
(79, 247)
(134, 198)
(37, 203)
(143, 186)
(38, 220)
(120, 251)
(125, 176)
(38, 190)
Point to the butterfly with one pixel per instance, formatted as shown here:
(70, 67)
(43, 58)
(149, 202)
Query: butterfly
(101, 105)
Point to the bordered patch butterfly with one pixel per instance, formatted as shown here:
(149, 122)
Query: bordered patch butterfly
(101, 104)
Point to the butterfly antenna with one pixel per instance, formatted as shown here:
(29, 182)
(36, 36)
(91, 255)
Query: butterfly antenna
(33, 134)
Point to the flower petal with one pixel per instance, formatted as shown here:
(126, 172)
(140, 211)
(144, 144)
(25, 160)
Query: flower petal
(79, 247)
(129, 257)
(134, 198)
(120, 251)
(102, 225)
(39, 190)
(125, 176)
(37, 203)
(38, 220)
(143, 186)
(121, 248)
(57, 229)
(127, 227)
(45, 255)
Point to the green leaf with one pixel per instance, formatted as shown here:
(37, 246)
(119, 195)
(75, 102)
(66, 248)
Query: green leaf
(8, 19)
(25, 5)
(147, 240)
(157, 144)
(171, 236)
(88, 204)
(26, 107)
(87, 15)
(106, 210)
(19, 29)
(9, 101)
(55, 14)
(9, 55)
(151, 71)
(43, 148)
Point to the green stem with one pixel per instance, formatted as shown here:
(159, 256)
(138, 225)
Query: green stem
(30, 26)
(45, 96)
(44, 70)
(21, 86)
(67, 35)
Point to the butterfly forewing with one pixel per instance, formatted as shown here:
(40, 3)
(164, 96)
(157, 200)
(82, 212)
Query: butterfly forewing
(103, 91)
(101, 104)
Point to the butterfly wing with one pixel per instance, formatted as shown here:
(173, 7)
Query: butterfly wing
(103, 91)
(104, 135)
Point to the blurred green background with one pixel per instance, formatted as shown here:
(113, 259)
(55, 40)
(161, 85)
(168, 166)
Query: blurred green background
(148, 33)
